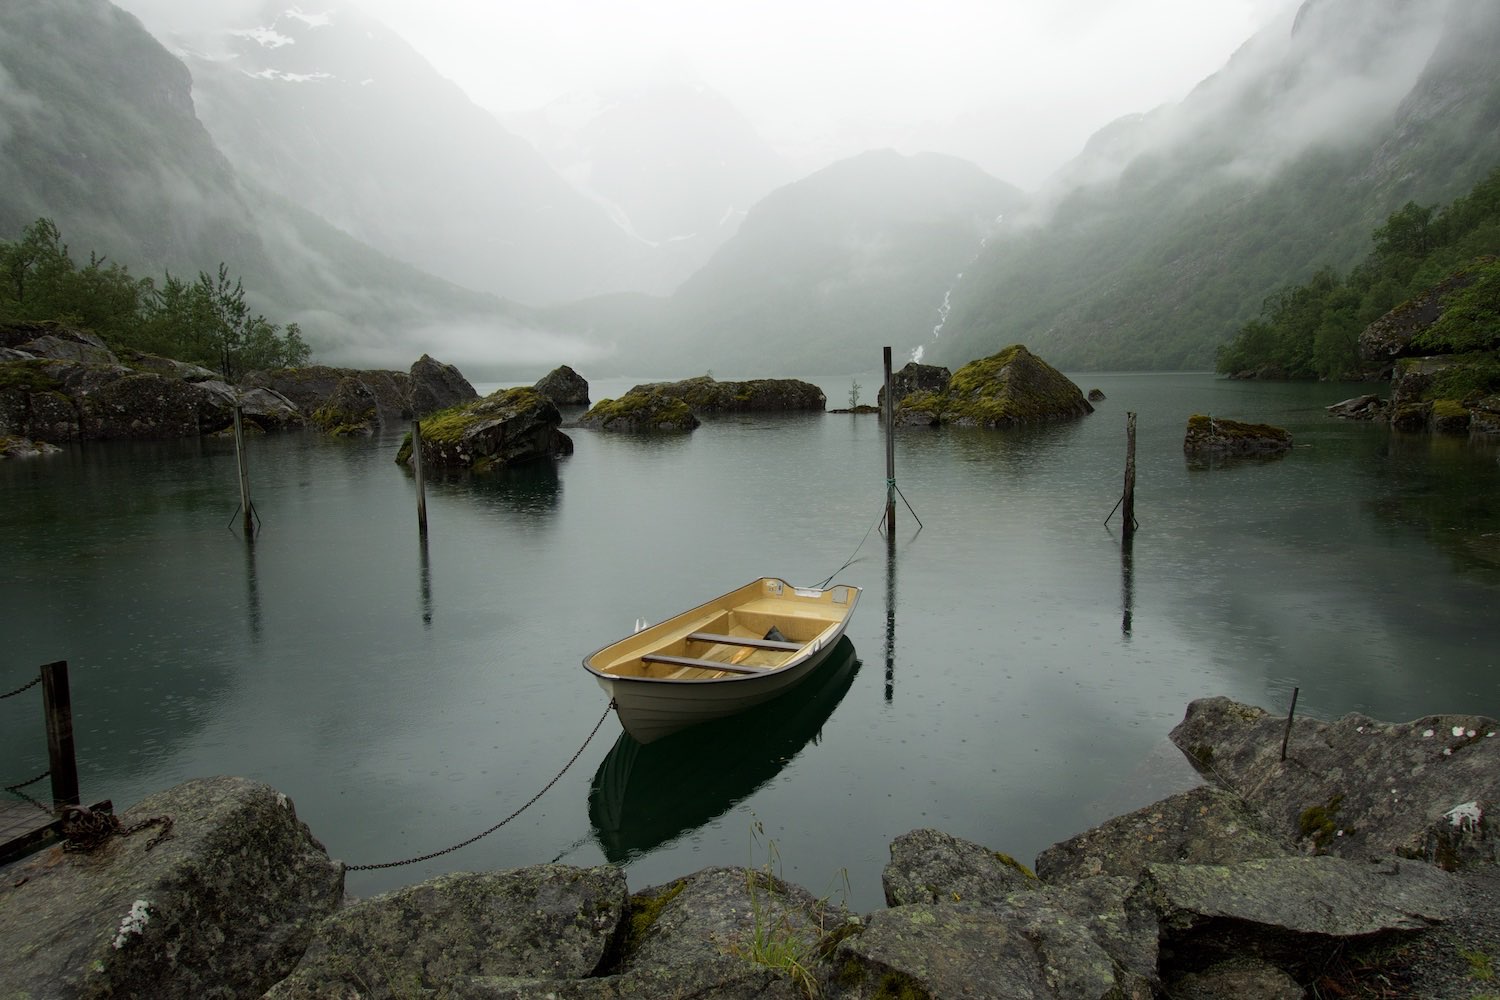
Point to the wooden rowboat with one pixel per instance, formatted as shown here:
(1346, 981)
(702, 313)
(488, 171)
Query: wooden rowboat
(644, 796)
(722, 657)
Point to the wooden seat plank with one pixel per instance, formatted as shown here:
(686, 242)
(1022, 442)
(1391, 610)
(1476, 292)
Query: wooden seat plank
(693, 661)
(737, 640)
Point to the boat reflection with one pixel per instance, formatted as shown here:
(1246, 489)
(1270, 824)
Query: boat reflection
(644, 796)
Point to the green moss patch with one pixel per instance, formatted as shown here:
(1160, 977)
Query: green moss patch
(29, 376)
(1005, 389)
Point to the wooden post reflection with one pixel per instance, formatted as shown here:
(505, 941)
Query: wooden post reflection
(1129, 500)
(426, 584)
(890, 614)
(1127, 583)
(252, 589)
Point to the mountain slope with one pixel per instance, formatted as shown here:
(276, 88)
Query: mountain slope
(821, 274)
(330, 108)
(1175, 226)
(99, 134)
(671, 160)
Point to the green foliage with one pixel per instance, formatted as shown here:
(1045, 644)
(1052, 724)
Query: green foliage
(1471, 315)
(1312, 330)
(205, 322)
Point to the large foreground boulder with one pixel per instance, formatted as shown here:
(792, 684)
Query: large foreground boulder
(508, 427)
(1006, 389)
(1203, 825)
(461, 933)
(223, 907)
(1355, 787)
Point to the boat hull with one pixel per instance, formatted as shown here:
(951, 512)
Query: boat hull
(653, 706)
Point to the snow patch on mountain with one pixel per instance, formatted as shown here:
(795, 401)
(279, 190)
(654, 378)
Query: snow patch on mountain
(276, 74)
(268, 38)
(322, 20)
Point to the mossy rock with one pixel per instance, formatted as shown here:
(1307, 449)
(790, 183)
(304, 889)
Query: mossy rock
(29, 376)
(1007, 389)
(507, 427)
(1216, 436)
(644, 409)
(1449, 416)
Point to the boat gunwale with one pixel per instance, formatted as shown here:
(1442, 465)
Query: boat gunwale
(825, 639)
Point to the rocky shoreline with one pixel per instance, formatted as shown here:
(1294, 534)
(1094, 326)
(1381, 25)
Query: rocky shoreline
(1365, 857)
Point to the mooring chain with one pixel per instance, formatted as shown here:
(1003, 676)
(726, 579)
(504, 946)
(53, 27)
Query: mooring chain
(478, 836)
(16, 790)
(85, 829)
(28, 685)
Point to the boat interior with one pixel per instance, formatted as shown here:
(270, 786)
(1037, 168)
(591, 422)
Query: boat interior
(754, 637)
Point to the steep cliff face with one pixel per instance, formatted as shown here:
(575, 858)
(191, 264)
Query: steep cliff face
(100, 135)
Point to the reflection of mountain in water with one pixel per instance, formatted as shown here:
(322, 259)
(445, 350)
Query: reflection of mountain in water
(643, 796)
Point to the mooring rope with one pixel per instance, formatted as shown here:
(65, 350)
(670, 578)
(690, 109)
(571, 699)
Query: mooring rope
(478, 836)
(890, 486)
(851, 560)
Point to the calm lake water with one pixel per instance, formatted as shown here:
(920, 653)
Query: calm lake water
(1009, 678)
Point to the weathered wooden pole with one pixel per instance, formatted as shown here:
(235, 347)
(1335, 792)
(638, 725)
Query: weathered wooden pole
(890, 450)
(57, 704)
(416, 460)
(239, 451)
(1129, 476)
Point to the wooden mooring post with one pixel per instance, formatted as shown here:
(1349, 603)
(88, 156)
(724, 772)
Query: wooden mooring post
(1129, 501)
(888, 412)
(416, 461)
(57, 704)
(239, 453)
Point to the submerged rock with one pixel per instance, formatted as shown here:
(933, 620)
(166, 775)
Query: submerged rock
(1217, 437)
(1009, 388)
(1366, 407)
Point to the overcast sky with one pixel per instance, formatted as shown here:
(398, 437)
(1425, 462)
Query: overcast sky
(1017, 86)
